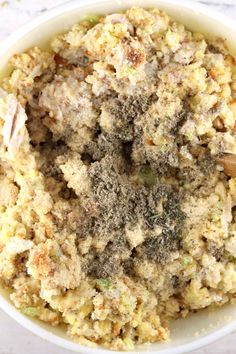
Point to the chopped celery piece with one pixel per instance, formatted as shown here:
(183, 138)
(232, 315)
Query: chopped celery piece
(103, 284)
(31, 311)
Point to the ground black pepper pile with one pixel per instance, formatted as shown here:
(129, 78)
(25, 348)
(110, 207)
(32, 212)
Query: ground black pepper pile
(125, 194)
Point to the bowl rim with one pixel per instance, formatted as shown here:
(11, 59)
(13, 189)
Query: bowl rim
(5, 305)
(7, 42)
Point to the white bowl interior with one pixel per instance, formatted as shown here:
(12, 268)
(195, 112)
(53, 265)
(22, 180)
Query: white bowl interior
(198, 329)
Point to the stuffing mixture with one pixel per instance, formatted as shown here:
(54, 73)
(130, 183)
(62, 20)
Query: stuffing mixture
(118, 178)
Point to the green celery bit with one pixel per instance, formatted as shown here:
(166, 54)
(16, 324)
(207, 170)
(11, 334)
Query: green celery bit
(103, 284)
(147, 176)
(93, 19)
(31, 311)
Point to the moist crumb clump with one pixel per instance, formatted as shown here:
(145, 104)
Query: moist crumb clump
(118, 178)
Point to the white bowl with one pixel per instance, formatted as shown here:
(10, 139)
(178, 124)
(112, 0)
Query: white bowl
(199, 329)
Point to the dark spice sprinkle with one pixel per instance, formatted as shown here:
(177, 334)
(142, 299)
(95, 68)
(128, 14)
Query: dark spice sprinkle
(124, 110)
(126, 194)
(215, 250)
(180, 119)
(123, 194)
(102, 267)
(159, 248)
(128, 266)
(130, 107)
(122, 204)
(176, 282)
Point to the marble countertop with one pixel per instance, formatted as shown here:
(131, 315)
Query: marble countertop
(13, 338)
(14, 13)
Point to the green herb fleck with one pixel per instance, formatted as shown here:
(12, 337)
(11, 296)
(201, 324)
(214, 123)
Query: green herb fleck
(91, 18)
(31, 311)
(186, 261)
(103, 284)
(215, 216)
(147, 177)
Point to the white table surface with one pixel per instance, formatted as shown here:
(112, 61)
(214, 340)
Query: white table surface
(13, 338)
